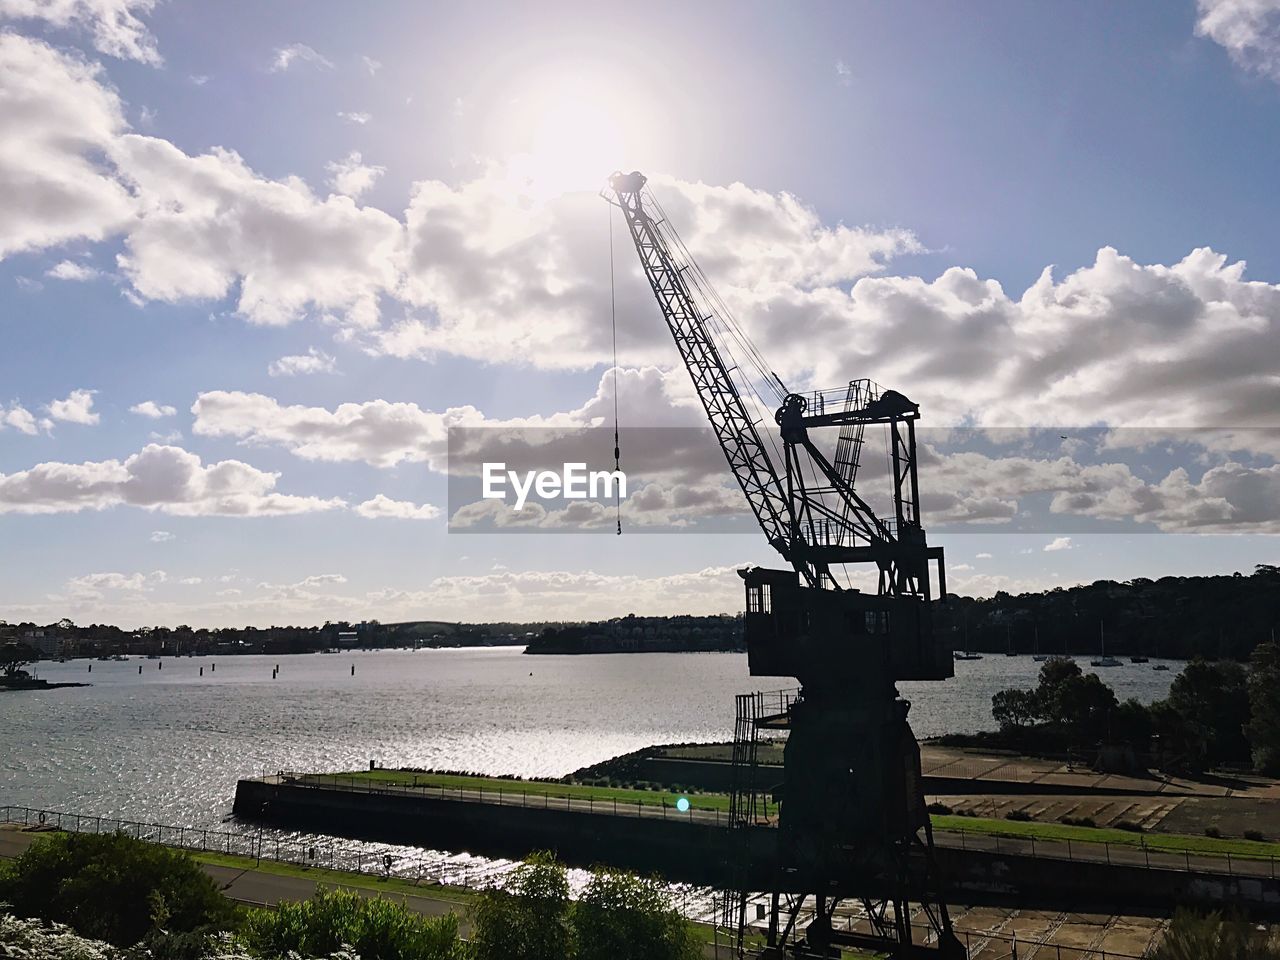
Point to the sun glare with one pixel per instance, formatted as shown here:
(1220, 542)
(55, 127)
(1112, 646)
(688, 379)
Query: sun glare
(569, 135)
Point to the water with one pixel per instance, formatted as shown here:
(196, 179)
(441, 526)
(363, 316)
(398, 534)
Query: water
(169, 745)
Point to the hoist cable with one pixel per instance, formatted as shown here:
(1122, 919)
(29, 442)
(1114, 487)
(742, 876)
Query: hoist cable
(613, 319)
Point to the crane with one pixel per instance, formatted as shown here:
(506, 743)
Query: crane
(852, 825)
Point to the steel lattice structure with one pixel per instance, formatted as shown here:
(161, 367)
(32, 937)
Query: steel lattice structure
(852, 824)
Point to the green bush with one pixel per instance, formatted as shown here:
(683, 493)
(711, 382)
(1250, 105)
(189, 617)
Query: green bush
(333, 919)
(938, 808)
(624, 917)
(1020, 815)
(1131, 825)
(114, 888)
(1079, 821)
(1255, 835)
(1213, 832)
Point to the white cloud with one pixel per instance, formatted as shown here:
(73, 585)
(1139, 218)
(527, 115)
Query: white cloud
(285, 57)
(377, 432)
(370, 64)
(351, 176)
(94, 584)
(383, 434)
(191, 581)
(1249, 30)
(982, 556)
(844, 74)
(114, 24)
(76, 408)
(158, 478)
(152, 410)
(70, 270)
(56, 119)
(1057, 543)
(354, 116)
(210, 221)
(511, 276)
(383, 507)
(20, 418)
(313, 361)
(161, 536)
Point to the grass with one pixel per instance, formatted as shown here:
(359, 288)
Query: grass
(540, 788)
(1166, 842)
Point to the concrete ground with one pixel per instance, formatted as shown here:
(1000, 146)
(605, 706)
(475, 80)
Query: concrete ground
(1232, 804)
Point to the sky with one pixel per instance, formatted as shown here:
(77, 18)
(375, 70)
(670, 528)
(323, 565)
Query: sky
(256, 260)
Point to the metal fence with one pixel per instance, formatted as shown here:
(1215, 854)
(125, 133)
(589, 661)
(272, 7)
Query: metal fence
(1136, 854)
(262, 844)
(661, 807)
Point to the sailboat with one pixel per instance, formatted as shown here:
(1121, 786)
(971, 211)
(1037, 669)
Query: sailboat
(1008, 641)
(966, 654)
(1104, 660)
(1036, 655)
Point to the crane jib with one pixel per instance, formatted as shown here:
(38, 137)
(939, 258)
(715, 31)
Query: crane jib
(734, 428)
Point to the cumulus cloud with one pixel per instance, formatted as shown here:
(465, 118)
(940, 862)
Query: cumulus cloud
(286, 57)
(354, 116)
(152, 410)
(76, 408)
(1057, 543)
(351, 176)
(1249, 30)
(313, 361)
(114, 25)
(70, 270)
(383, 507)
(210, 221)
(161, 536)
(162, 479)
(56, 119)
(377, 431)
(20, 418)
(509, 276)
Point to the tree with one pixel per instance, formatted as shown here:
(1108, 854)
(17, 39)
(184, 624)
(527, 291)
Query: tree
(1263, 728)
(1212, 696)
(114, 888)
(1015, 709)
(14, 656)
(624, 917)
(529, 918)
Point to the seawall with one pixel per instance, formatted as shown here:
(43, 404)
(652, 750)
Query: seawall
(704, 853)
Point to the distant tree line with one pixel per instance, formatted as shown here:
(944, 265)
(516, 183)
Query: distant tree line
(1217, 712)
(632, 634)
(1217, 618)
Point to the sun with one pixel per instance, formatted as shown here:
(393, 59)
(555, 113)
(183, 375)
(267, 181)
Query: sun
(568, 133)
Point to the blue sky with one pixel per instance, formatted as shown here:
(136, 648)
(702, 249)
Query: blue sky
(312, 234)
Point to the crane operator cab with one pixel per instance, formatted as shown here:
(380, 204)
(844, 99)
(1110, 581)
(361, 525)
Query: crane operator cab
(837, 636)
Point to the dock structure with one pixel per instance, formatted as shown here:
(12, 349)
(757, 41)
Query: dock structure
(697, 846)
